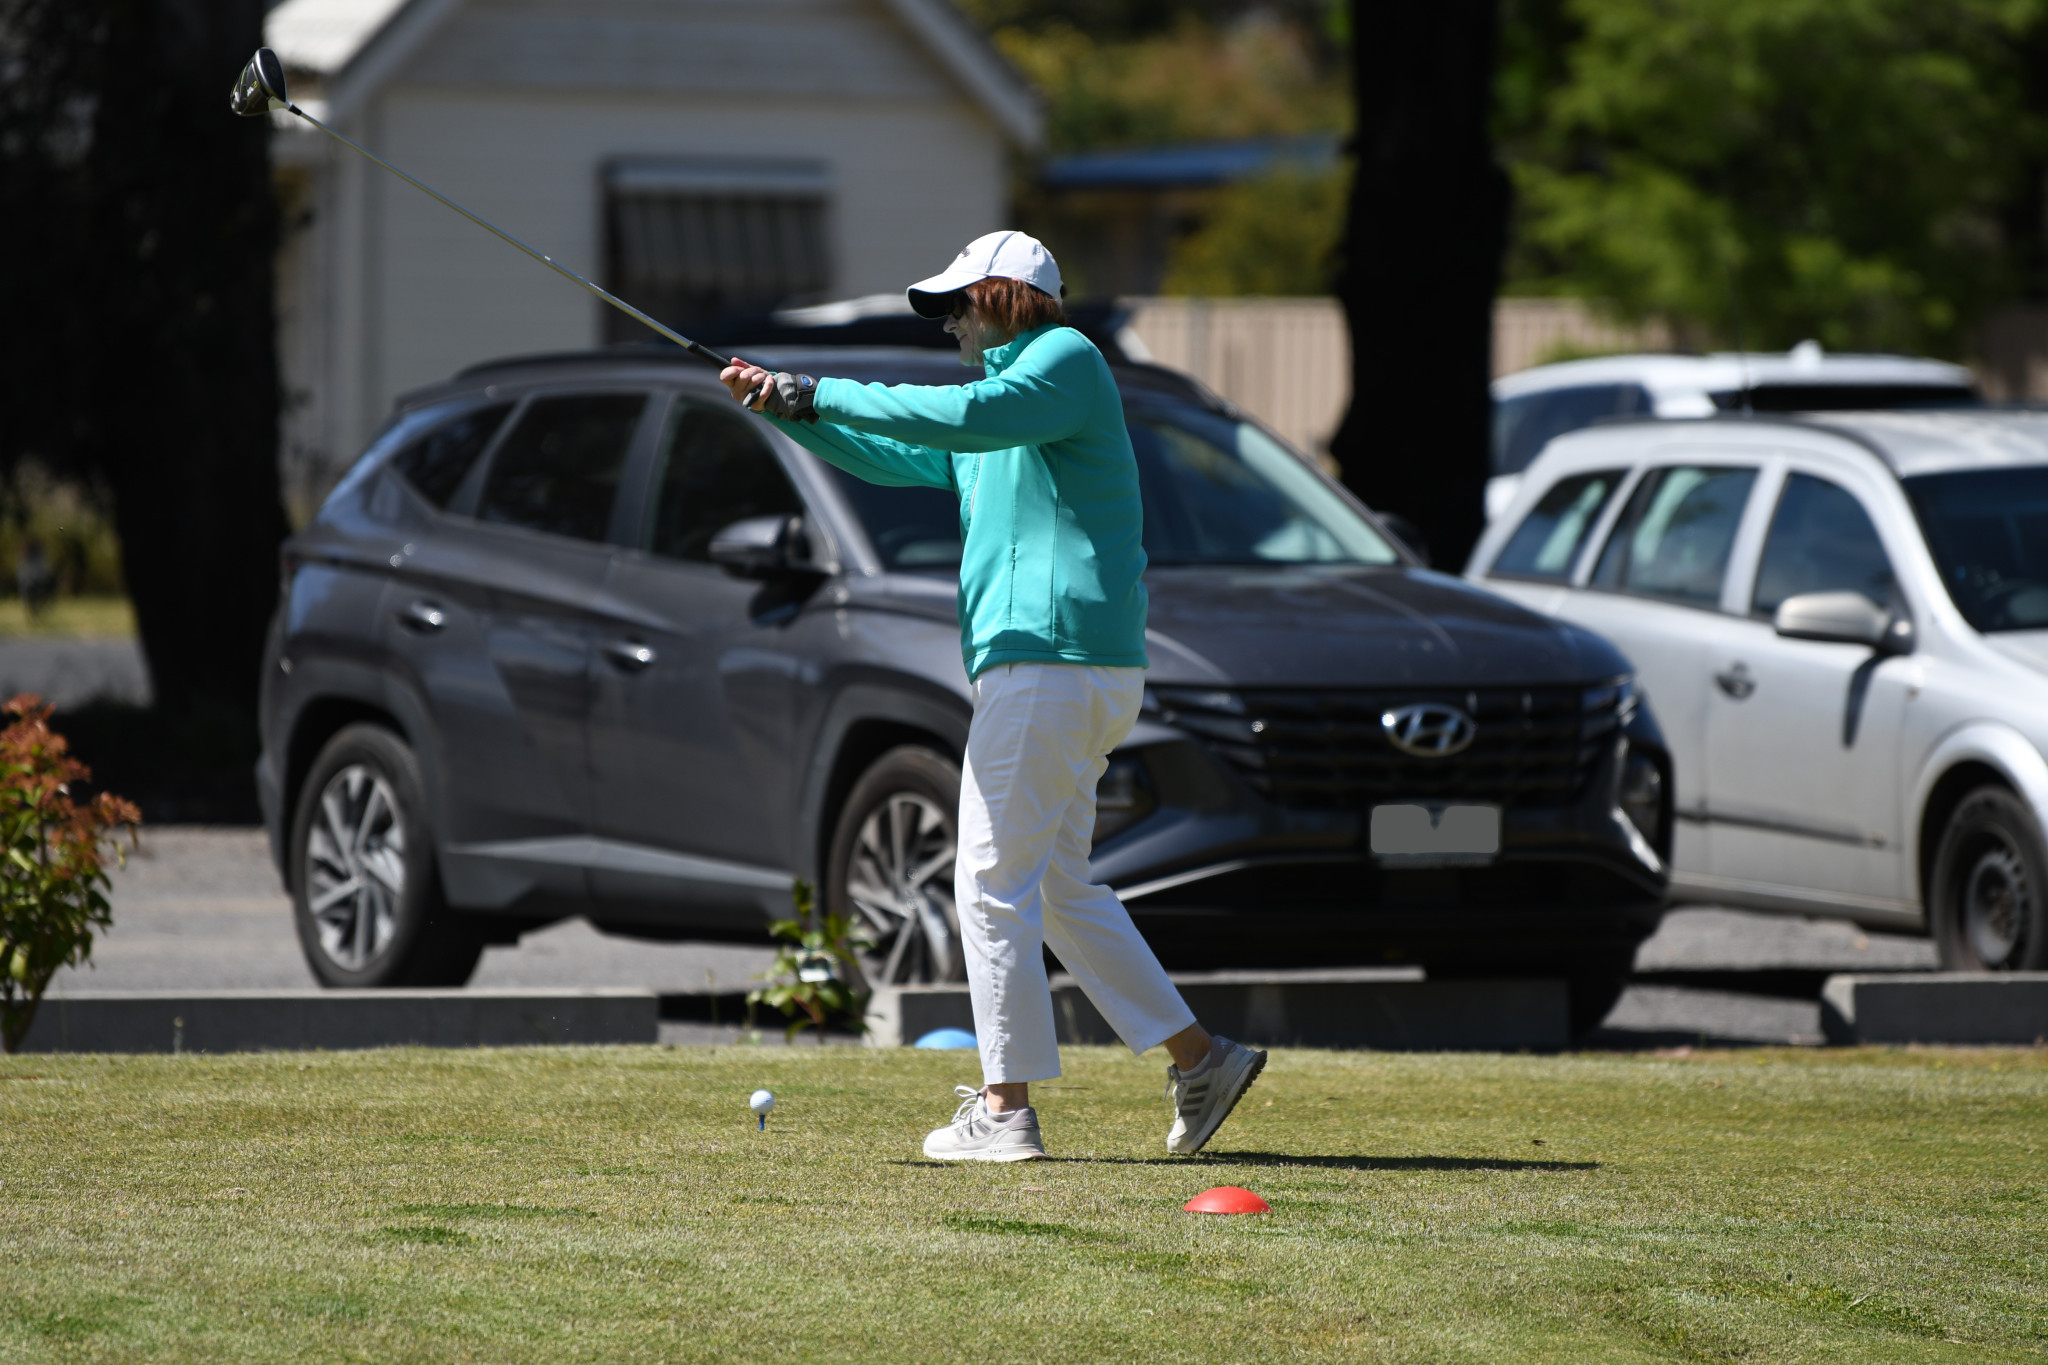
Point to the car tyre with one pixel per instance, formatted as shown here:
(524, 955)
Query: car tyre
(1988, 893)
(1593, 989)
(366, 894)
(890, 870)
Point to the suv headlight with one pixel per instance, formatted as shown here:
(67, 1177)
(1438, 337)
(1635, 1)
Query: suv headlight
(1606, 708)
(1642, 797)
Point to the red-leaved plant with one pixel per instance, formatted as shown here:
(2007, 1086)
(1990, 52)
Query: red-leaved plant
(53, 852)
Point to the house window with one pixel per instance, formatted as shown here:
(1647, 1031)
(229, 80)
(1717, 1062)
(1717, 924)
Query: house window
(699, 242)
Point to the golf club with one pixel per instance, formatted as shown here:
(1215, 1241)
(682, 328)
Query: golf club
(261, 90)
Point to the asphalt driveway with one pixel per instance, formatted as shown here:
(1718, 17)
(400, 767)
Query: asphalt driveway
(201, 908)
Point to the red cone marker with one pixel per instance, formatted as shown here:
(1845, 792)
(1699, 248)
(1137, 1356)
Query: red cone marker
(1227, 1199)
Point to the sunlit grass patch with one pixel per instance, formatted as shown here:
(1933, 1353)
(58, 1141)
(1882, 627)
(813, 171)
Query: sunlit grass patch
(620, 1205)
(77, 618)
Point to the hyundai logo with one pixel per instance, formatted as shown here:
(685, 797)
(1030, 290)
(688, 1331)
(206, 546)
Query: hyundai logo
(1429, 730)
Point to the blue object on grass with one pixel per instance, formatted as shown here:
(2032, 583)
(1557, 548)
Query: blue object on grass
(947, 1038)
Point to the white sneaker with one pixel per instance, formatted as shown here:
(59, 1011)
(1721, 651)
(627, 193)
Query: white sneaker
(1204, 1097)
(975, 1134)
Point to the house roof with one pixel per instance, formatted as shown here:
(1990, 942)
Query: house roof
(1187, 164)
(354, 46)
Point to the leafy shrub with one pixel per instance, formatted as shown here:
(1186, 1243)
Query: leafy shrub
(816, 974)
(53, 852)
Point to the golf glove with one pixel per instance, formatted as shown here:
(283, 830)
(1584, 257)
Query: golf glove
(791, 397)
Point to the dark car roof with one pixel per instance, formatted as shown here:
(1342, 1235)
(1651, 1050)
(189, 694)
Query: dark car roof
(866, 364)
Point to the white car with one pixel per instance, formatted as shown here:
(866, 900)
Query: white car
(1842, 623)
(1532, 407)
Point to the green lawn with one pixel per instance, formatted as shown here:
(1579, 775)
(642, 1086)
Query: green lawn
(617, 1205)
(76, 618)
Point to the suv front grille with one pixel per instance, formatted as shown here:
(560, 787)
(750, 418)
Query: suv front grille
(1327, 750)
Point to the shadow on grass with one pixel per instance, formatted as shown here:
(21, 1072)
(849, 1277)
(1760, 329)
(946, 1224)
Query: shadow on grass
(1335, 1163)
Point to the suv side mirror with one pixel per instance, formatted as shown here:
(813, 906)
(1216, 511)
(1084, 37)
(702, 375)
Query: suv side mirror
(761, 547)
(1847, 618)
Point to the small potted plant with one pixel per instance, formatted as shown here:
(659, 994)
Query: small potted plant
(815, 979)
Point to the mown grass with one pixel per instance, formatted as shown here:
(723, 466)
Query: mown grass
(74, 618)
(618, 1205)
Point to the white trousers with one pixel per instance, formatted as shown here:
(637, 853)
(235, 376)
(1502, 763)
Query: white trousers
(1039, 742)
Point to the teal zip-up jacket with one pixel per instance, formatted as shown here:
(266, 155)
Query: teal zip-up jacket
(1052, 561)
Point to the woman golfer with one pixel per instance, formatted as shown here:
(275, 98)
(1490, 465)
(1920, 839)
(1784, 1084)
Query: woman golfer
(1052, 626)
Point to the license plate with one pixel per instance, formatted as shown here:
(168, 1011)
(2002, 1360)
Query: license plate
(1416, 835)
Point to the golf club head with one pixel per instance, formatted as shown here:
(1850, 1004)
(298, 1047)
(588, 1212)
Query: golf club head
(261, 87)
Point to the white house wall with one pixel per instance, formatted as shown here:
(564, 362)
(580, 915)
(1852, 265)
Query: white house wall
(514, 108)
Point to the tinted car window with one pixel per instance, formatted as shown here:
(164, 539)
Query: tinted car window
(1673, 539)
(559, 469)
(911, 528)
(1223, 492)
(714, 470)
(1547, 542)
(1988, 531)
(1523, 426)
(1821, 540)
(436, 463)
(1215, 491)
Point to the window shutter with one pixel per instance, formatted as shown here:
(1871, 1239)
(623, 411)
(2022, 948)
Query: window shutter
(696, 242)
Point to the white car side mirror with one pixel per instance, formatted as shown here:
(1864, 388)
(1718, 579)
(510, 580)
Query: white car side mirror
(1847, 618)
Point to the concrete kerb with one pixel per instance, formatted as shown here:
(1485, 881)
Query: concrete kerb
(1936, 1007)
(1391, 1010)
(267, 1021)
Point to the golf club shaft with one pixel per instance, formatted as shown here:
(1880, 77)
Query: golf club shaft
(628, 309)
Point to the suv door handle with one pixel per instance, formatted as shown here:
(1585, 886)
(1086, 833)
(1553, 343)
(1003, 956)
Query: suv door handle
(630, 655)
(423, 617)
(1736, 682)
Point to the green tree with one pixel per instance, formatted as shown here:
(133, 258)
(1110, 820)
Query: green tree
(1273, 235)
(1189, 80)
(1863, 172)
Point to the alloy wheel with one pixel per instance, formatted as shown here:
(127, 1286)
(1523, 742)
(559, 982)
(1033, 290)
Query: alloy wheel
(1994, 898)
(355, 866)
(901, 883)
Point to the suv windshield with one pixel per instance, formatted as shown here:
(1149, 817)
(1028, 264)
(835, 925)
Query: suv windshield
(1216, 491)
(1988, 531)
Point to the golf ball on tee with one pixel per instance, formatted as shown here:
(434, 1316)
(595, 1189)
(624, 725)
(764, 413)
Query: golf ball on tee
(761, 1102)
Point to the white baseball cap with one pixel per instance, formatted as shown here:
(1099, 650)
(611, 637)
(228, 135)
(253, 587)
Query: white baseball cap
(998, 255)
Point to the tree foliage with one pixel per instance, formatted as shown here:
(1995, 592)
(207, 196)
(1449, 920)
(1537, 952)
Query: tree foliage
(53, 851)
(1276, 234)
(1132, 73)
(1189, 80)
(1864, 172)
(137, 221)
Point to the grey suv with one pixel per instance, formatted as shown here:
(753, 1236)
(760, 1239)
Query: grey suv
(578, 637)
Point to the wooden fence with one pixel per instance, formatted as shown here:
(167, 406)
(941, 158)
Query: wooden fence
(1288, 361)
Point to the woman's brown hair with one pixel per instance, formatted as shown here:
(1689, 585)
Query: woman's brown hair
(1014, 306)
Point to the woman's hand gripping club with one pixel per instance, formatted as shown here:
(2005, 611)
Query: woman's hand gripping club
(777, 393)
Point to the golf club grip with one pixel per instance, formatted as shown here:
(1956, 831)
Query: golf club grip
(628, 309)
